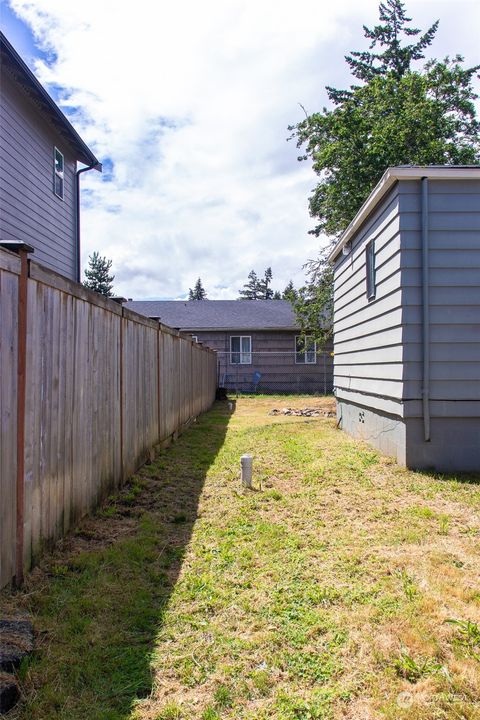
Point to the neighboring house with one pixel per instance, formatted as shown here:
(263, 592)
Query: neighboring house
(407, 318)
(39, 181)
(258, 343)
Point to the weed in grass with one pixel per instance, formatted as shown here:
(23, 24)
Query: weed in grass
(468, 636)
(210, 714)
(170, 712)
(413, 670)
(272, 495)
(443, 524)
(262, 682)
(408, 584)
(223, 696)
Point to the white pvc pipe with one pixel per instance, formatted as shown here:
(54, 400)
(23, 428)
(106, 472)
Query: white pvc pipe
(246, 462)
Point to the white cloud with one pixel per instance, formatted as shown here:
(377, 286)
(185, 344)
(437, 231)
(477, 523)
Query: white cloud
(191, 102)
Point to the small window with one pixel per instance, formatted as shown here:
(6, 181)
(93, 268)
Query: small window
(194, 338)
(241, 350)
(305, 350)
(58, 173)
(370, 269)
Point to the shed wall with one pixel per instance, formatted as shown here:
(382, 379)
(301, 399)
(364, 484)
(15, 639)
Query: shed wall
(454, 297)
(368, 334)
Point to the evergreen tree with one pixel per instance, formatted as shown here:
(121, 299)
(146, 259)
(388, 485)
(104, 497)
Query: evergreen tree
(397, 116)
(289, 293)
(97, 274)
(257, 289)
(265, 289)
(277, 295)
(198, 292)
(251, 289)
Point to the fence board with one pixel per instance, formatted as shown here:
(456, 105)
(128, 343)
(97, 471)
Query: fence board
(8, 415)
(91, 369)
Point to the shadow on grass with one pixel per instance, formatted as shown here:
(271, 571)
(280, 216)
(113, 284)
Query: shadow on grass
(98, 602)
(469, 478)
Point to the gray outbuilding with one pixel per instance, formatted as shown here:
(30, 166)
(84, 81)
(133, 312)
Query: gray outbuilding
(407, 318)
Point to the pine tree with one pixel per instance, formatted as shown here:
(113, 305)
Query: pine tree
(289, 293)
(266, 291)
(396, 58)
(257, 289)
(251, 289)
(277, 295)
(97, 274)
(198, 292)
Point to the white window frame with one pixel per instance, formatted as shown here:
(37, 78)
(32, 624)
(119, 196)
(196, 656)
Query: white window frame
(194, 338)
(305, 357)
(370, 269)
(244, 356)
(60, 174)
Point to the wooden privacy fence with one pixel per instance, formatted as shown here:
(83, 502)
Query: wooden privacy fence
(87, 388)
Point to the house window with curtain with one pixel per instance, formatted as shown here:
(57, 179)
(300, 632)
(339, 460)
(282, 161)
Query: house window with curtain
(305, 350)
(58, 173)
(241, 350)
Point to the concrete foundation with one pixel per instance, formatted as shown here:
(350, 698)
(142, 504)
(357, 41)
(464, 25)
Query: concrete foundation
(454, 445)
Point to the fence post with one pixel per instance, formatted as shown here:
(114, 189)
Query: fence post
(122, 464)
(23, 251)
(158, 386)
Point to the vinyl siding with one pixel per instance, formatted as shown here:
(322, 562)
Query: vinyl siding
(369, 333)
(30, 211)
(454, 298)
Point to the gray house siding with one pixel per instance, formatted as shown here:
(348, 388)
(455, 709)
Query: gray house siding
(273, 356)
(379, 343)
(31, 212)
(368, 334)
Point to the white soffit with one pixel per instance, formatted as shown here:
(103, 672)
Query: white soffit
(389, 178)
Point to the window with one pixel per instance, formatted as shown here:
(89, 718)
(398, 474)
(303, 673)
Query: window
(194, 338)
(58, 170)
(241, 350)
(370, 269)
(305, 350)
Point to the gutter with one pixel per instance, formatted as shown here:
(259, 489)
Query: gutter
(94, 166)
(389, 178)
(425, 312)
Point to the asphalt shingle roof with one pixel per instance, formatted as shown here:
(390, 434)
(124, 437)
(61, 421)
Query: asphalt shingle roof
(219, 314)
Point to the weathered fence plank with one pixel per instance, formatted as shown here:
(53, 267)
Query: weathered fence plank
(104, 385)
(9, 272)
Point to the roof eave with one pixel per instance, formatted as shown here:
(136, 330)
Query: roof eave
(234, 328)
(85, 155)
(389, 178)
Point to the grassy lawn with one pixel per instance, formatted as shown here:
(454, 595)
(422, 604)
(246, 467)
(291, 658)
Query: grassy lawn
(328, 592)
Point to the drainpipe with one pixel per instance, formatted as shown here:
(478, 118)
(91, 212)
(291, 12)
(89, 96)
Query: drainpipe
(425, 314)
(94, 166)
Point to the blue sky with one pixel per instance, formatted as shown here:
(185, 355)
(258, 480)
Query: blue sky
(187, 105)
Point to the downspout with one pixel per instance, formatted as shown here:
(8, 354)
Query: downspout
(425, 313)
(93, 166)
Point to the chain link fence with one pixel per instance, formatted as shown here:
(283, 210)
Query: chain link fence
(269, 372)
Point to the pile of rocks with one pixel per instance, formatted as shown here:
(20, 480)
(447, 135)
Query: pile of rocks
(303, 412)
(16, 643)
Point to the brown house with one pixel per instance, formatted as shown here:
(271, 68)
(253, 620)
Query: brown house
(39, 179)
(258, 343)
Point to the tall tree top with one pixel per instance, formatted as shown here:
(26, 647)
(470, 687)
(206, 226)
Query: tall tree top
(198, 292)
(396, 57)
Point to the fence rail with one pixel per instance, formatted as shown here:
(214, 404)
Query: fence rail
(101, 385)
(272, 371)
